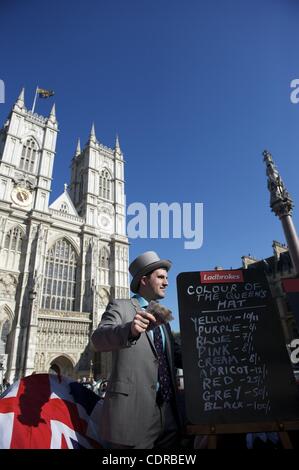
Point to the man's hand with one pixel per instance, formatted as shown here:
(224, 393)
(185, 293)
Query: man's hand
(141, 322)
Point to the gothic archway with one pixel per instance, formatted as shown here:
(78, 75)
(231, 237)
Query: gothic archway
(62, 365)
(5, 327)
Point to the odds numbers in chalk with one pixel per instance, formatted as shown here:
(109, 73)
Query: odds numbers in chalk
(236, 365)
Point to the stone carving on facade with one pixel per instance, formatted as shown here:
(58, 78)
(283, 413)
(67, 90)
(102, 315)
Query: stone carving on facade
(94, 299)
(103, 296)
(31, 129)
(42, 233)
(86, 243)
(33, 232)
(107, 164)
(42, 237)
(36, 282)
(36, 361)
(39, 362)
(106, 208)
(35, 290)
(62, 335)
(46, 313)
(95, 252)
(8, 285)
(34, 313)
(22, 180)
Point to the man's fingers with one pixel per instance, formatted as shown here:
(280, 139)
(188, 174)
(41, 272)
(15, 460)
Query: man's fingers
(151, 317)
(141, 322)
(147, 316)
(138, 326)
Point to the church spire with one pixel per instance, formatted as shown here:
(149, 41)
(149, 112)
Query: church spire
(78, 149)
(21, 99)
(92, 136)
(117, 149)
(52, 116)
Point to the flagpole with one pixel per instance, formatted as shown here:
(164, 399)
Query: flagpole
(34, 101)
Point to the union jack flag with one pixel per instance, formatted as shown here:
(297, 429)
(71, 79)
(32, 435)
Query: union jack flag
(46, 411)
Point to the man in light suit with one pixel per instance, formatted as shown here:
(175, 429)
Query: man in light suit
(140, 406)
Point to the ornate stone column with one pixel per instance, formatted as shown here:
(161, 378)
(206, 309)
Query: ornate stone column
(282, 206)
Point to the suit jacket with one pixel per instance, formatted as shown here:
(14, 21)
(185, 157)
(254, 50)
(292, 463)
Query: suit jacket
(131, 392)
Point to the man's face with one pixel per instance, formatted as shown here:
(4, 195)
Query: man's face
(154, 285)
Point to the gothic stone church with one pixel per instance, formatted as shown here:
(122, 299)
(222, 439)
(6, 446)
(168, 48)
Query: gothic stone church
(60, 262)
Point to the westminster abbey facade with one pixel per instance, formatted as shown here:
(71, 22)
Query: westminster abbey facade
(60, 262)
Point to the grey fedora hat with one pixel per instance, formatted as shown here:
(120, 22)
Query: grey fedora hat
(144, 264)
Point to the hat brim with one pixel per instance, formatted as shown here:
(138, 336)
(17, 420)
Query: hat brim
(163, 263)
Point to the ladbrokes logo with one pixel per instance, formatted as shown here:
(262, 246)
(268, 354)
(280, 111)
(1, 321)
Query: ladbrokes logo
(209, 277)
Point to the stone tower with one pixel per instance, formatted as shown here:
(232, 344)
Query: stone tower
(60, 263)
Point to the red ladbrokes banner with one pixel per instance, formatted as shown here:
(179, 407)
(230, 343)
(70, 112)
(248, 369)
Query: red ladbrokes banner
(221, 276)
(45, 411)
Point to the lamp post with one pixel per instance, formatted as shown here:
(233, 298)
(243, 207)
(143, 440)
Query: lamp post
(91, 372)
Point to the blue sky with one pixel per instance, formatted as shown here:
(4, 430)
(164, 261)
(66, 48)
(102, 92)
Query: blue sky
(196, 91)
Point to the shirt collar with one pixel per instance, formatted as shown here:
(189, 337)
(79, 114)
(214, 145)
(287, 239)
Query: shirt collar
(142, 301)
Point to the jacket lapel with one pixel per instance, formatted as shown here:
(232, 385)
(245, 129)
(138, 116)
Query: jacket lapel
(149, 335)
(135, 304)
(151, 341)
(167, 344)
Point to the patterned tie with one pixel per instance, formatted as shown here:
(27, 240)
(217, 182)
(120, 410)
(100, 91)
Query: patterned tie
(165, 389)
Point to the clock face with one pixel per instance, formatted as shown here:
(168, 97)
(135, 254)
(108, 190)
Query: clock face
(21, 196)
(105, 222)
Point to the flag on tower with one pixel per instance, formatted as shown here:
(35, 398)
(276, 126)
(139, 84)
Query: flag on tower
(42, 93)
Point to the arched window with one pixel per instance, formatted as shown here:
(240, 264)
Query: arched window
(5, 329)
(29, 155)
(104, 266)
(60, 277)
(104, 258)
(13, 240)
(12, 250)
(105, 184)
(81, 186)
